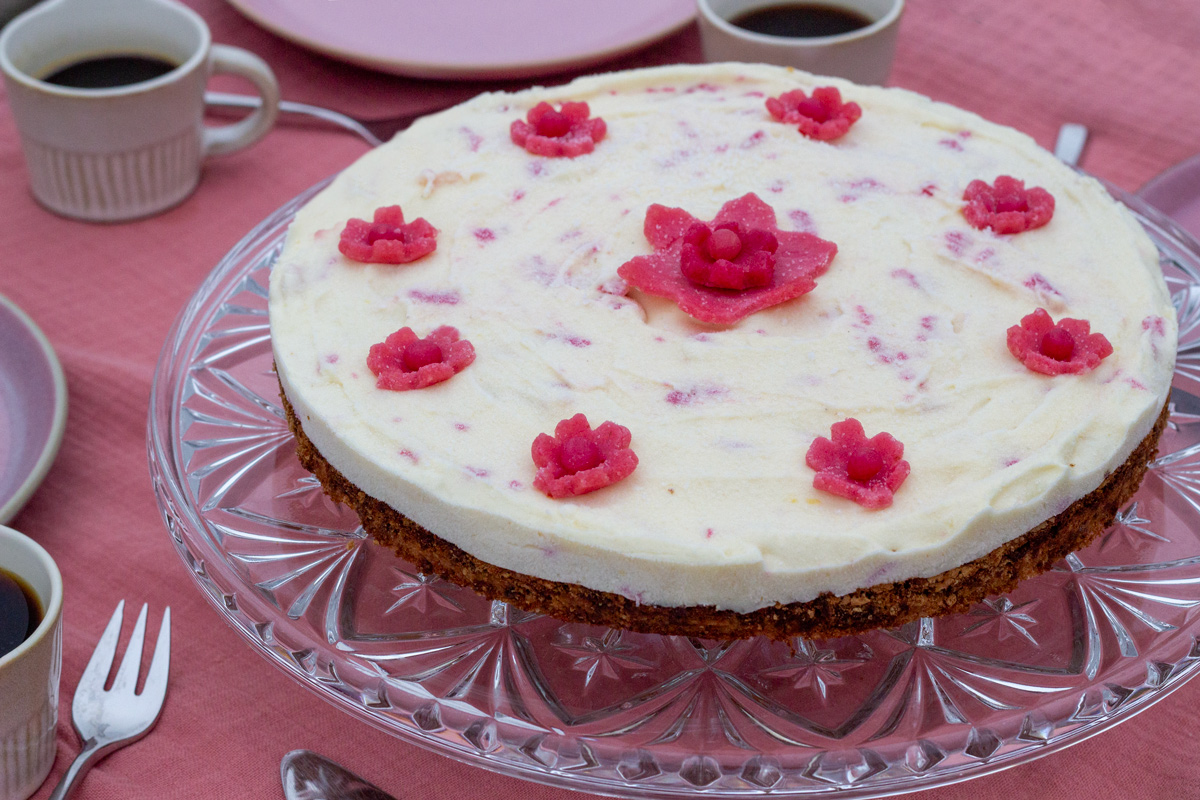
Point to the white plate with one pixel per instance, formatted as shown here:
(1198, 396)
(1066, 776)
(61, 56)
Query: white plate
(470, 39)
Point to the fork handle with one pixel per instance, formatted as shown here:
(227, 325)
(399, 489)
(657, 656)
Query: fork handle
(93, 750)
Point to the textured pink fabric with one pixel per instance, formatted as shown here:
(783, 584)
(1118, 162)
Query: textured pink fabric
(107, 294)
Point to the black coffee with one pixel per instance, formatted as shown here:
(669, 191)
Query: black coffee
(20, 611)
(106, 72)
(801, 20)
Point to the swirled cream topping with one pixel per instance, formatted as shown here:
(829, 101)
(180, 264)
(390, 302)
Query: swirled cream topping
(905, 332)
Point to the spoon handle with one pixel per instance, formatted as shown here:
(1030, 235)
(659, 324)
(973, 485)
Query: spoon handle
(1071, 139)
(307, 774)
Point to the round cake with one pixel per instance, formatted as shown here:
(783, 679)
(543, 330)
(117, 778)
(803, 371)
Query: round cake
(723, 350)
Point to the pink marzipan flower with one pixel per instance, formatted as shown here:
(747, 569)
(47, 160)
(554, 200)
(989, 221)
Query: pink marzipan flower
(405, 361)
(1007, 206)
(867, 471)
(577, 460)
(1065, 347)
(389, 239)
(823, 116)
(567, 132)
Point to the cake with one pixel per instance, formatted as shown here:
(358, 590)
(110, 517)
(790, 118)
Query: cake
(597, 438)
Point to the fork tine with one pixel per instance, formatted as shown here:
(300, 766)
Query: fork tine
(156, 679)
(131, 662)
(96, 672)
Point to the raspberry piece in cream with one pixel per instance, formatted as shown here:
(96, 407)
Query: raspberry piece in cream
(823, 116)
(1007, 206)
(1065, 347)
(768, 266)
(567, 132)
(405, 361)
(577, 460)
(388, 239)
(867, 471)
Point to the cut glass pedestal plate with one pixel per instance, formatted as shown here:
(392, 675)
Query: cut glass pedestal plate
(1110, 630)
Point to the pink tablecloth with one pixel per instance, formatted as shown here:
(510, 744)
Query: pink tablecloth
(106, 295)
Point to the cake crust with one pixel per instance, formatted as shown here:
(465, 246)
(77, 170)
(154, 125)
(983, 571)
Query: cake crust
(883, 605)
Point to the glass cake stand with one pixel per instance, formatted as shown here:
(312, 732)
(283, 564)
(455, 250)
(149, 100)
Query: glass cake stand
(1110, 630)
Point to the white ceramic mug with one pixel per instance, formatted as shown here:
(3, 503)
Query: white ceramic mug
(29, 674)
(863, 55)
(128, 151)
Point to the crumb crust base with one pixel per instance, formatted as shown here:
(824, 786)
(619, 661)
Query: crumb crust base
(884, 605)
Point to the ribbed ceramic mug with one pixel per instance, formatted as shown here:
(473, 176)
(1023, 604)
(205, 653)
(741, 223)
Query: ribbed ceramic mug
(127, 151)
(863, 55)
(29, 674)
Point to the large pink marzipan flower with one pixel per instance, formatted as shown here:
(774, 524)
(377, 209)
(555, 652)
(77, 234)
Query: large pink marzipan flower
(716, 279)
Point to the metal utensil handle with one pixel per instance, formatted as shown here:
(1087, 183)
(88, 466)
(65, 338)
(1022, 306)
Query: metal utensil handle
(1071, 139)
(229, 100)
(93, 750)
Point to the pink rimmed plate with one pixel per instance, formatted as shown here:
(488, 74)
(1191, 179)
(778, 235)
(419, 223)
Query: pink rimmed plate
(470, 39)
(33, 407)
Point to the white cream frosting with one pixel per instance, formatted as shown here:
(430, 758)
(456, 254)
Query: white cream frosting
(905, 332)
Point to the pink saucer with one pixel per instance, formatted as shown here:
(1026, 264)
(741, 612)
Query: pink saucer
(1176, 192)
(470, 39)
(33, 408)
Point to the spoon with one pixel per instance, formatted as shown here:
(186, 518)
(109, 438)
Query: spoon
(309, 776)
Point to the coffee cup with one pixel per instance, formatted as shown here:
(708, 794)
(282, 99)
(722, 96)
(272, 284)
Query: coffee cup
(99, 147)
(861, 49)
(29, 672)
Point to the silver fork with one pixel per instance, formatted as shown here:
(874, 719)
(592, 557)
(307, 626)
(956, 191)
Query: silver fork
(109, 720)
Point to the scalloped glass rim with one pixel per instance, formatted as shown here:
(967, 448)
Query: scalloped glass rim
(290, 629)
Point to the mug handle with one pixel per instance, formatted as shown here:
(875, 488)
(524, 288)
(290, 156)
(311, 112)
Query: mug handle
(228, 138)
